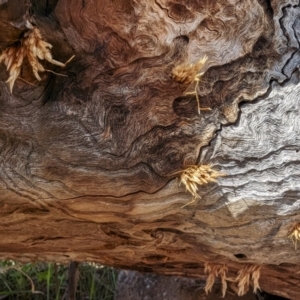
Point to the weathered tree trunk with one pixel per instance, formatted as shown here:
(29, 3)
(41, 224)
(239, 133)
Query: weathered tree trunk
(88, 160)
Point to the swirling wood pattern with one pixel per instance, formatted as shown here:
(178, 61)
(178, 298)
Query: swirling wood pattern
(86, 161)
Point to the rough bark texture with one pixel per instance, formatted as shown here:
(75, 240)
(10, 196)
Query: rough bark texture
(87, 160)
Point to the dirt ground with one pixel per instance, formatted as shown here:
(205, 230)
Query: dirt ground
(144, 286)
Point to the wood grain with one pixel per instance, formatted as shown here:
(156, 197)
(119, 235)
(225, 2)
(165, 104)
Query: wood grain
(86, 161)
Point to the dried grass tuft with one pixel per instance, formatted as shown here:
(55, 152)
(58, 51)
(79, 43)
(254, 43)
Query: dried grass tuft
(189, 74)
(193, 176)
(295, 235)
(213, 271)
(13, 59)
(34, 48)
(248, 274)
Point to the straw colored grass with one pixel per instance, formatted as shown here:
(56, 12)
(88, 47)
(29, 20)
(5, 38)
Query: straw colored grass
(248, 275)
(213, 271)
(190, 74)
(187, 73)
(34, 48)
(195, 175)
(295, 235)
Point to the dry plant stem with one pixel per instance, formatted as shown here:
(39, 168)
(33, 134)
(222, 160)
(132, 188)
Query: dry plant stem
(69, 60)
(189, 74)
(190, 202)
(295, 235)
(34, 48)
(197, 96)
(58, 74)
(27, 81)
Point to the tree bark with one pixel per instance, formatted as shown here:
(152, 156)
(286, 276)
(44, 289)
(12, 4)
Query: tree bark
(88, 159)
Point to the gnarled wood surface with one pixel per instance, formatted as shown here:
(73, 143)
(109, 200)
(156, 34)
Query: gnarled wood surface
(87, 160)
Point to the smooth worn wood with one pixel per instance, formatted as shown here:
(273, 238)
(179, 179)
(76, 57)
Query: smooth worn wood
(87, 160)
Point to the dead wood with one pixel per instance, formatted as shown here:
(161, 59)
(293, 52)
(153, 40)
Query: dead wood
(87, 161)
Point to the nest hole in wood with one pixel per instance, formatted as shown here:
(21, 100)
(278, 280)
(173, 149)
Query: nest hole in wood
(240, 256)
